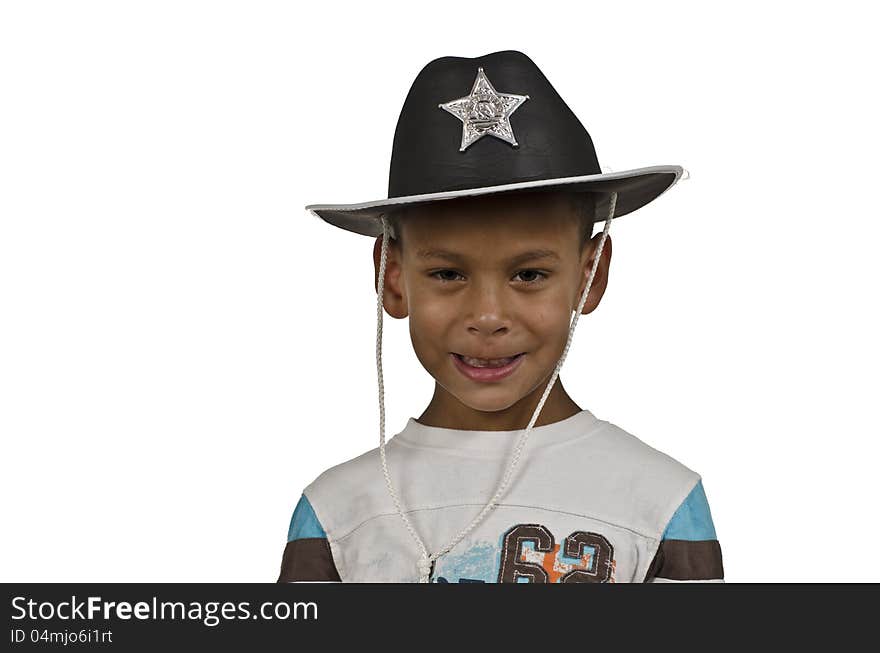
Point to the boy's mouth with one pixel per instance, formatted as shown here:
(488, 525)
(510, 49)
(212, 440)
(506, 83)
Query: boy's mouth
(487, 362)
(486, 369)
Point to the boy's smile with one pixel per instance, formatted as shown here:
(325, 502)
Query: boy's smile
(487, 369)
(489, 285)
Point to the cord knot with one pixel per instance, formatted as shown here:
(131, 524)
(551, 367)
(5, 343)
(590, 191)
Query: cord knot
(424, 569)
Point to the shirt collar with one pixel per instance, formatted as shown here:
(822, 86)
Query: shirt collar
(417, 434)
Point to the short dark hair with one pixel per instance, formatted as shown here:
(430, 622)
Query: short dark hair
(583, 205)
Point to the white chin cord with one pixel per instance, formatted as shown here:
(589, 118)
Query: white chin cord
(427, 559)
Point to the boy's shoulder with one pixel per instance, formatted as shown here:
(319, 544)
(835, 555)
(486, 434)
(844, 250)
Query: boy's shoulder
(641, 462)
(354, 476)
(603, 470)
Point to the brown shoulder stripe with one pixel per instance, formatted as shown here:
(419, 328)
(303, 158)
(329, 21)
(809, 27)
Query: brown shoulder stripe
(687, 560)
(308, 558)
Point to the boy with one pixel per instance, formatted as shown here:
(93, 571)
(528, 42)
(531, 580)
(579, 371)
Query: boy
(485, 243)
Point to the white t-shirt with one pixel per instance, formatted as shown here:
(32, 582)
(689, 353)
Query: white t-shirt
(588, 502)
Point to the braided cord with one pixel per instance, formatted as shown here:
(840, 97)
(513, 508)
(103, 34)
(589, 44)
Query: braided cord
(386, 230)
(426, 559)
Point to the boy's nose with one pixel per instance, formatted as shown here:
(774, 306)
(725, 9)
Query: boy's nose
(486, 312)
(487, 325)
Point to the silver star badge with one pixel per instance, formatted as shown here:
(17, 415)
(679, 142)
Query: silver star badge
(484, 112)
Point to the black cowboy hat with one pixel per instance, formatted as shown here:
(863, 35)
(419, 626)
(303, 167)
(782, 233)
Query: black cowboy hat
(492, 124)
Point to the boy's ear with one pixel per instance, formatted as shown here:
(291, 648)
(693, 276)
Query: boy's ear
(600, 281)
(394, 298)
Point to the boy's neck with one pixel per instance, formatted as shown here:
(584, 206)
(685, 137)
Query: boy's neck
(445, 411)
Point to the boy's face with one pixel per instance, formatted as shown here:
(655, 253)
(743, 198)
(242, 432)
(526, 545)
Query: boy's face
(492, 277)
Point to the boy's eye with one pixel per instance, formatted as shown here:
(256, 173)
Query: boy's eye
(450, 275)
(529, 274)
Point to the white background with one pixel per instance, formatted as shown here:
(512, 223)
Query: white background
(184, 348)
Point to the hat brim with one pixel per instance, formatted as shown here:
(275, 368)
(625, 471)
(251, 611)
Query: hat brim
(635, 188)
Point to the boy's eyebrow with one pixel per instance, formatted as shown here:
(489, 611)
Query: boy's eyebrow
(514, 260)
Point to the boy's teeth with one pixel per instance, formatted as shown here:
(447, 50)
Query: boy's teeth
(487, 362)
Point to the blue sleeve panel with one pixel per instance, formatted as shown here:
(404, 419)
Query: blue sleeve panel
(304, 522)
(692, 520)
